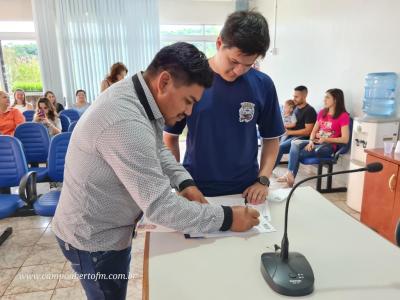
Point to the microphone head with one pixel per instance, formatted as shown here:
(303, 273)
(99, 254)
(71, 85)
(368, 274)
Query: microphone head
(374, 167)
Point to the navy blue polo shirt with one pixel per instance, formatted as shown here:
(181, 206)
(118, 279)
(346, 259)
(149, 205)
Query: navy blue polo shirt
(221, 153)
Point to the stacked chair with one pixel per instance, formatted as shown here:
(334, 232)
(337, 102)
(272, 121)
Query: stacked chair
(65, 122)
(28, 114)
(71, 113)
(72, 126)
(46, 204)
(14, 172)
(35, 141)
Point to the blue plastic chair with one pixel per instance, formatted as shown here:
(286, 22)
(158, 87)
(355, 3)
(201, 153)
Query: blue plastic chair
(46, 205)
(35, 141)
(14, 172)
(329, 162)
(71, 113)
(28, 114)
(65, 122)
(72, 126)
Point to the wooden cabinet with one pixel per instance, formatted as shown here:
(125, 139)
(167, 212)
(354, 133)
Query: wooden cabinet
(381, 198)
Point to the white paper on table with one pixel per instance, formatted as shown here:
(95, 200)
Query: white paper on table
(263, 227)
(145, 225)
(235, 200)
(278, 195)
(230, 200)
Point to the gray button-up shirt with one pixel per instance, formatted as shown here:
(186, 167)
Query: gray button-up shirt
(118, 165)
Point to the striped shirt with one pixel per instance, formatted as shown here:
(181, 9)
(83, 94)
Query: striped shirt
(117, 166)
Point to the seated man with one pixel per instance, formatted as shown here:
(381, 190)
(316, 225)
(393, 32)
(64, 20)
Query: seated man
(306, 117)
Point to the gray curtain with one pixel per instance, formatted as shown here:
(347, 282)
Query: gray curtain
(91, 35)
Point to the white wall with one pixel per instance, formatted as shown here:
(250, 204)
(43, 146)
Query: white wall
(16, 10)
(324, 44)
(173, 12)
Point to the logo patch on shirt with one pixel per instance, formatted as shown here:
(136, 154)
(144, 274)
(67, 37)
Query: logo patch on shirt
(246, 112)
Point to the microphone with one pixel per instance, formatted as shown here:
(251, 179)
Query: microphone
(374, 167)
(291, 274)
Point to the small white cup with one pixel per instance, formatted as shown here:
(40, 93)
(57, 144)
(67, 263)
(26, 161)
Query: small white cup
(388, 147)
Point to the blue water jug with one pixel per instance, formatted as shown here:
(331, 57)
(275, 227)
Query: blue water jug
(379, 97)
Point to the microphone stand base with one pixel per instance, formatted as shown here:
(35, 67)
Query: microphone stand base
(293, 277)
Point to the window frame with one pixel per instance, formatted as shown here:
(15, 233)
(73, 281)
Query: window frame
(12, 36)
(199, 38)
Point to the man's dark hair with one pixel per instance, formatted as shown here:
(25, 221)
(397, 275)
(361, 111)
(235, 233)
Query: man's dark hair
(301, 88)
(247, 31)
(186, 64)
(78, 91)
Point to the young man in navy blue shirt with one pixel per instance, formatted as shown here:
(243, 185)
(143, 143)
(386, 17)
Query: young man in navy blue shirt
(222, 148)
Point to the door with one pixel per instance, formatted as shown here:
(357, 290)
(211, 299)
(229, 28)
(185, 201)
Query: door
(379, 197)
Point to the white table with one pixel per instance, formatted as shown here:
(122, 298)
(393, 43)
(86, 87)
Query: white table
(349, 260)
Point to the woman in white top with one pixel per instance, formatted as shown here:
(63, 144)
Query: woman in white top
(47, 115)
(118, 72)
(81, 105)
(20, 102)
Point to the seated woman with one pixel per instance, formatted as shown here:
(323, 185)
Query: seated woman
(118, 72)
(81, 105)
(10, 117)
(53, 100)
(46, 114)
(20, 101)
(331, 128)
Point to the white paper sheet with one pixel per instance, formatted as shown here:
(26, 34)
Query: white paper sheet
(145, 225)
(278, 195)
(236, 200)
(263, 227)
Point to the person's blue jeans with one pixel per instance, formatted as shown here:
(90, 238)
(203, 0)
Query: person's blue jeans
(103, 274)
(284, 147)
(297, 152)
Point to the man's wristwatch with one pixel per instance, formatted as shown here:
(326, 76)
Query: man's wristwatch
(264, 180)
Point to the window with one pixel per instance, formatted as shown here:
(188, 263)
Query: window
(19, 61)
(202, 36)
(21, 66)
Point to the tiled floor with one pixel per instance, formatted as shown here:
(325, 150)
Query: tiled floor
(339, 199)
(32, 249)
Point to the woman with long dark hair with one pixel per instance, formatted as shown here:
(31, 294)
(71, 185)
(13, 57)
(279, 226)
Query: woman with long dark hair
(47, 115)
(118, 72)
(331, 128)
(50, 95)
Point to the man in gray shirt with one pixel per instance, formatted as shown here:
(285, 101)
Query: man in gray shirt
(117, 166)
